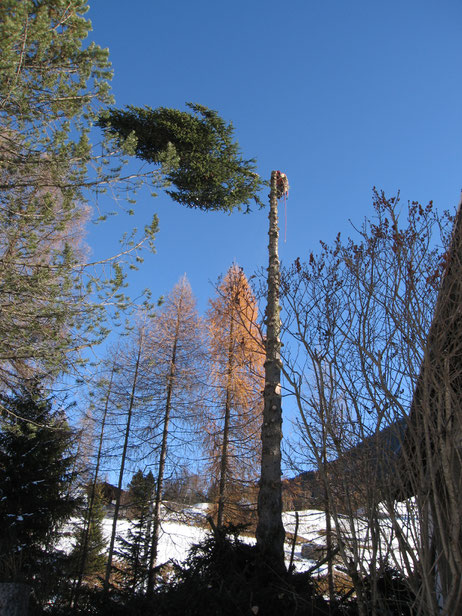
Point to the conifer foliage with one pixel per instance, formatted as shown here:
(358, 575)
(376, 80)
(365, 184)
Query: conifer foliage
(197, 152)
(134, 548)
(52, 85)
(35, 477)
(236, 376)
(47, 84)
(89, 538)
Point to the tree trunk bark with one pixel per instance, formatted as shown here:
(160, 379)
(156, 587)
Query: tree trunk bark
(163, 456)
(122, 468)
(270, 531)
(76, 593)
(14, 599)
(329, 548)
(224, 449)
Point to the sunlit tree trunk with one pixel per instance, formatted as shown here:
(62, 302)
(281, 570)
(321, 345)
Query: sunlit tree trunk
(270, 531)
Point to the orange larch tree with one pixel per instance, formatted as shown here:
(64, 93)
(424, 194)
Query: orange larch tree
(233, 421)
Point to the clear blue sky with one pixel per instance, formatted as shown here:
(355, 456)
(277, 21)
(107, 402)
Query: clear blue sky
(342, 96)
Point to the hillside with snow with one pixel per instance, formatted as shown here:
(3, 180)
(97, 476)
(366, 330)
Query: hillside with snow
(187, 526)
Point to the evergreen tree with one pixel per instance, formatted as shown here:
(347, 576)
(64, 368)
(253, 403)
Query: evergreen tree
(89, 537)
(232, 433)
(139, 491)
(51, 87)
(134, 548)
(196, 151)
(35, 479)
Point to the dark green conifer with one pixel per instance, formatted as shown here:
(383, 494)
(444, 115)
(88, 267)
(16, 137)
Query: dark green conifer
(35, 481)
(94, 558)
(196, 150)
(134, 548)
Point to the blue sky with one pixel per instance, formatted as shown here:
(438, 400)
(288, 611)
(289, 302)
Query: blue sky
(341, 96)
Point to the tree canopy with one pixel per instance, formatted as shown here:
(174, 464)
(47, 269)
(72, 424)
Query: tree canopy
(52, 86)
(232, 424)
(35, 477)
(196, 150)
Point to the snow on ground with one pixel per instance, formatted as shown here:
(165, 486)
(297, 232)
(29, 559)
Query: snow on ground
(176, 539)
(311, 523)
(183, 527)
(311, 528)
(356, 532)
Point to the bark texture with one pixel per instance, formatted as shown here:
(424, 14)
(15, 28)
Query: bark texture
(270, 531)
(224, 446)
(14, 599)
(432, 452)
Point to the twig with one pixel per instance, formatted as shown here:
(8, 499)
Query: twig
(294, 541)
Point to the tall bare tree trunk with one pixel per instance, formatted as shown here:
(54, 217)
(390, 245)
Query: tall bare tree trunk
(329, 546)
(270, 531)
(91, 502)
(326, 416)
(122, 464)
(224, 446)
(162, 458)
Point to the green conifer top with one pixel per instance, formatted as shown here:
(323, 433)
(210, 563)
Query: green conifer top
(196, 151)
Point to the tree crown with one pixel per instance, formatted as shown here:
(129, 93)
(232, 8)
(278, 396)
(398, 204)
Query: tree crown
(196, 150)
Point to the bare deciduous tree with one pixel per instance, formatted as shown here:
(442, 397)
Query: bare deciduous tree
(363, 352)
(132, 396)
(175, 351)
